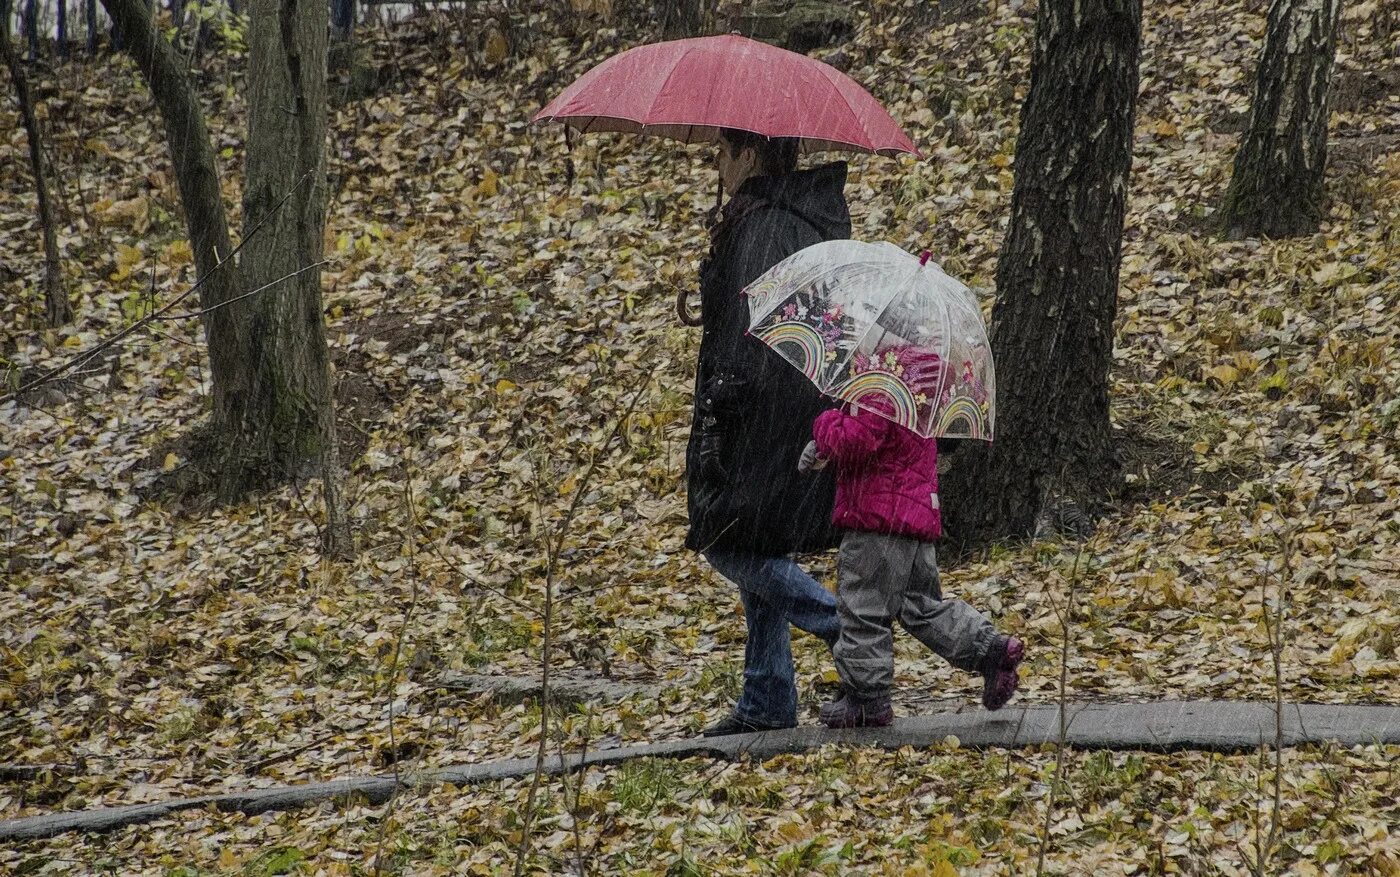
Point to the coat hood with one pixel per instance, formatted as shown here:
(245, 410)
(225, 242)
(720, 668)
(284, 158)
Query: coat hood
(817, 195)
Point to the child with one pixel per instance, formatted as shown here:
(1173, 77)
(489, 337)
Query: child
(887, 502)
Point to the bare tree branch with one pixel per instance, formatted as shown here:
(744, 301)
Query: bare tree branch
(87, 355)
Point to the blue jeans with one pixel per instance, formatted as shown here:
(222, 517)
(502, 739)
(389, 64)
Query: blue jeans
(776, 593)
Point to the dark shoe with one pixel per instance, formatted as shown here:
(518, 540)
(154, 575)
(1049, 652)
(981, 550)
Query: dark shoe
(1001, 678)
(733, 724)
(849, 711)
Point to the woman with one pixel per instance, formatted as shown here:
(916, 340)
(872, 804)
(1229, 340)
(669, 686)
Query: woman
(749, 507)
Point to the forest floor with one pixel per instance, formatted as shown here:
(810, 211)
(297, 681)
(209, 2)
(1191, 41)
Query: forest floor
(493, 305)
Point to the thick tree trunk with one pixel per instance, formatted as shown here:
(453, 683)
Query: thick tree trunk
(58, 311)
(1057, 278)
(1277, 187)
(196, 173)
(91, 12)
(292, 418)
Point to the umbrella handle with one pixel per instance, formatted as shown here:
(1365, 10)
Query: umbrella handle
(924, 257)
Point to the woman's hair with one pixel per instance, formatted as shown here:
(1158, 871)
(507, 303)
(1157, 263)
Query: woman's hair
(776, 155)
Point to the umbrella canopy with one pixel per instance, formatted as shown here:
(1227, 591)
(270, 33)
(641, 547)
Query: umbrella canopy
(688, 90)
(874, 325)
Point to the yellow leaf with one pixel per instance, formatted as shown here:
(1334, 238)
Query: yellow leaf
(127, 256)
(1334, 271)
(601, 8)
(227, 859)
(1225, 374)
(488, 185)
(945, 869)
(1001, 159)
(1163, 128)
(568, 485)
(793, 832)
(179, 253)
(171, 461)
(830, 676)
(496, 47)
(505, 386)
(1275, 384)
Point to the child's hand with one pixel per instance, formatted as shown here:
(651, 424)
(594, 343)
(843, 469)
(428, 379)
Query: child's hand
(809, 460)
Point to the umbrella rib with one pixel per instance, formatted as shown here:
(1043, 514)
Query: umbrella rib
(826, 72)
(651, 104)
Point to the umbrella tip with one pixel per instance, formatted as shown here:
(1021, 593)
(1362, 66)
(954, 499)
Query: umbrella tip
(924, 257)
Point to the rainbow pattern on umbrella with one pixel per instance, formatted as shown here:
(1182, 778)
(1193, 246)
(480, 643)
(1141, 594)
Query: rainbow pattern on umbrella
(883, 385)
(879, 329)
(799, 344)
(962, 417)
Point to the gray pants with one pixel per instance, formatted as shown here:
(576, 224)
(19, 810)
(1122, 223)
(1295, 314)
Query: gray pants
(887, 577)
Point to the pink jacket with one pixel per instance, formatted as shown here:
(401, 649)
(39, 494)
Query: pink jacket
(886, 478)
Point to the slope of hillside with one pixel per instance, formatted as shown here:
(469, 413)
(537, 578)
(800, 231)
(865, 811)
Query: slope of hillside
(493, 304)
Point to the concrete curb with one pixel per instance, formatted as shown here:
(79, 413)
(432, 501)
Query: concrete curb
(1164, 726)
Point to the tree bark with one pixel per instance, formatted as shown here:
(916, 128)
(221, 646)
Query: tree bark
(61, 28)
(1057, 277)
(343, 21)
(1277, 186)
(197, 175)
(58, 310)
(680, 18)
(29, 21)
(91, 12)
(292, 418)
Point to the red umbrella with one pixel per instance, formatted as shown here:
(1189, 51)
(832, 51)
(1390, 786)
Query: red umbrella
(689, 89)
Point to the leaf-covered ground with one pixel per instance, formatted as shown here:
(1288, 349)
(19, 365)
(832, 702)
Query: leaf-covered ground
(493, 304)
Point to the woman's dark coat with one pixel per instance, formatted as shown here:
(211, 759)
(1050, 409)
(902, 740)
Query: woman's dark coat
(753, 412)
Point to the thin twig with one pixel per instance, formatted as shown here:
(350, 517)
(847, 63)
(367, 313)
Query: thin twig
(189, 315)
(1065, 618)
(390, 684)
(552, 556)
(475, 582)
(576, 808)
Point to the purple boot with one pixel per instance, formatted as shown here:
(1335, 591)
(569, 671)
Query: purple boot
(1000, 678)
(849, 711)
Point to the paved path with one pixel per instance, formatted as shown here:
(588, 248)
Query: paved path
(1223, 726)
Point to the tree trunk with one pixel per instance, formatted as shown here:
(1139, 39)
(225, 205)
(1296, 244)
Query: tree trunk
(91, 8)
(61, 28)
(58, 311)
(292, 418)
(1277, 186)
(680, 18)
(1057, 277)
(343, 18)
(197, 175)
(30, 24)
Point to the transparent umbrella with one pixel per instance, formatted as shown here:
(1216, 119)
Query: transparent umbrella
(876, 326)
